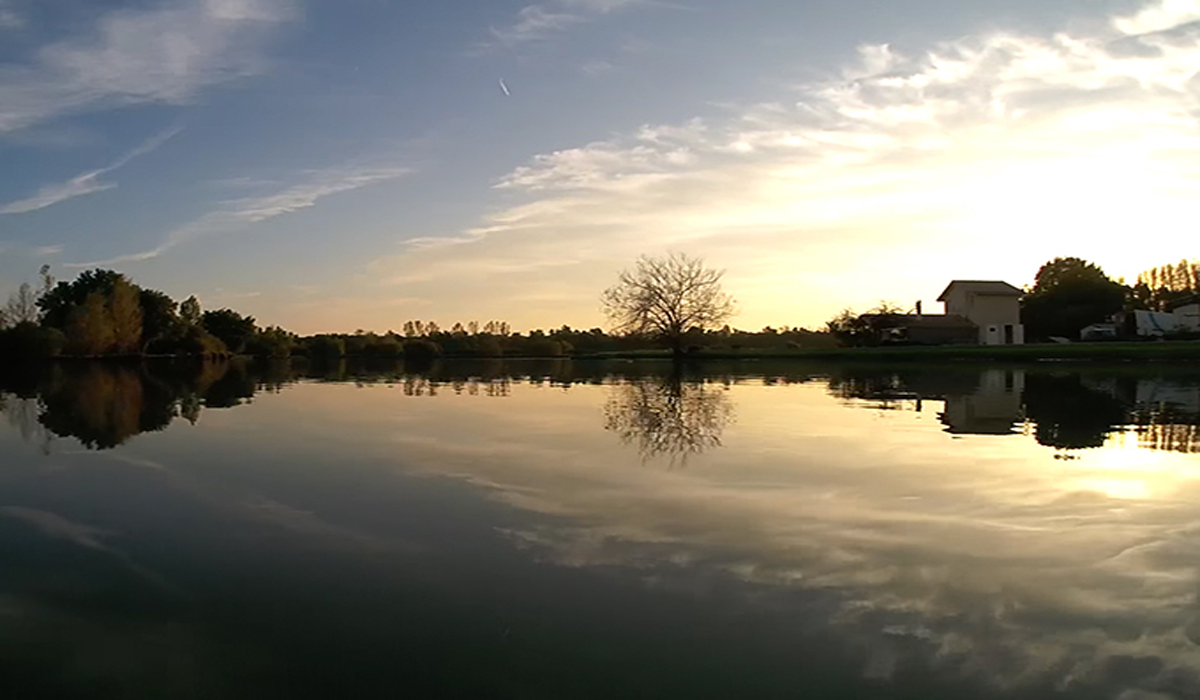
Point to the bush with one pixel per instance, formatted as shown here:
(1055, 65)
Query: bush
(272, 342)
(30, 341)
(421, 351)
(326, 347)
(544, 347)
(196, 341)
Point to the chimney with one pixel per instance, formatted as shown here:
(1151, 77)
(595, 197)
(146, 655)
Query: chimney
(918, 308)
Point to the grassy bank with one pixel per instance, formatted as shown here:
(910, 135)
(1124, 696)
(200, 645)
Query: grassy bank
(1177, 351)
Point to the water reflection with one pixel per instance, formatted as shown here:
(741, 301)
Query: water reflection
(668, 416)
(889, 559)
(651, 407)
(103, 405)
(1065, 410)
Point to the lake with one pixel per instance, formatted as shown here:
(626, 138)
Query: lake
(600, 530)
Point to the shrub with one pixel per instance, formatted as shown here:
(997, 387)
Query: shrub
(421, 351)
(28, 341)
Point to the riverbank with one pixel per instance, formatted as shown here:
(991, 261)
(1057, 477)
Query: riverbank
(1173, 351)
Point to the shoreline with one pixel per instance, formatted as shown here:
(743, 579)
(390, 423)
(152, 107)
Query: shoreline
(1133, 352)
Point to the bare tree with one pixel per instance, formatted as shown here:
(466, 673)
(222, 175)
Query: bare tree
(22, 306)
(667, 298)
(189, 311)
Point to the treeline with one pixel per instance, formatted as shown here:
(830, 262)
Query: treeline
(102, 313)
(427, 340)
(1159, 287)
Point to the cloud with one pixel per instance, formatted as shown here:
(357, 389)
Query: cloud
(85, 183)
(237, 214)
(597, 68)
(49, 195)
(10, 18)
(166, 55)
(983, 156)
(536, 22)
(47, 251)
(1160, 16)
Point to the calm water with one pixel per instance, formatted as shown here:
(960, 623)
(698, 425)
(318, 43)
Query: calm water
(600, 531)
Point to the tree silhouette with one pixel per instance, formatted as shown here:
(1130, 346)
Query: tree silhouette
(230, 327)
(667, 298)
(160, 318)
(1068, 294)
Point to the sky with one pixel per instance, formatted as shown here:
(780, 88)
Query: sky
(329, 166)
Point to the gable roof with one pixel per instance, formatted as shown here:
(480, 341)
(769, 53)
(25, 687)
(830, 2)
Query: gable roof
(923, 321)
(992, 287)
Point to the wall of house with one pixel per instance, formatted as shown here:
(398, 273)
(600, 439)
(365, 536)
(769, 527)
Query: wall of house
(991, 312)
(957, 302)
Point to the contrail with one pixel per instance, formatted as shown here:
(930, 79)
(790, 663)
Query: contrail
(505, 88)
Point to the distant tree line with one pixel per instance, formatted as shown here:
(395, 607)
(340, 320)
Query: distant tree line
(102, 313)
(427, 340)
(1158, 287)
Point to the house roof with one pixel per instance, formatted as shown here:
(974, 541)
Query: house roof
(924, 320)
(992, 287)
(939, 321)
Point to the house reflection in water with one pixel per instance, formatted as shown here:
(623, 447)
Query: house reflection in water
(994, 408)
(1065, 410)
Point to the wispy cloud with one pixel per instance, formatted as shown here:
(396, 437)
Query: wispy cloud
(47, 251)
(84, 183)
(239, 213)
(981, 156)
(78, 186)
(597, 68)
(160, 55)
(9, 17)
(536, 22)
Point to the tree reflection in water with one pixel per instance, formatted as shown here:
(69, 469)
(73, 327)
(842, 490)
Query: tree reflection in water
(104, 404)
(668, 416)
(674, 416)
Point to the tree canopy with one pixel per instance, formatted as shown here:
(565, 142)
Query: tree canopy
(667, 298)
(1068, 294)
(1158, 287)
(232, 328)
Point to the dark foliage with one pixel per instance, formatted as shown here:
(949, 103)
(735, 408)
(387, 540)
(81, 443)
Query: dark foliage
(1068, 294)
(230, 327)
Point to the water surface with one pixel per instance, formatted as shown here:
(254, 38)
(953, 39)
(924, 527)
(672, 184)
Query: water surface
(600, 530)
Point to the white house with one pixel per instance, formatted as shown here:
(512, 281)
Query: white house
(993, 306)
